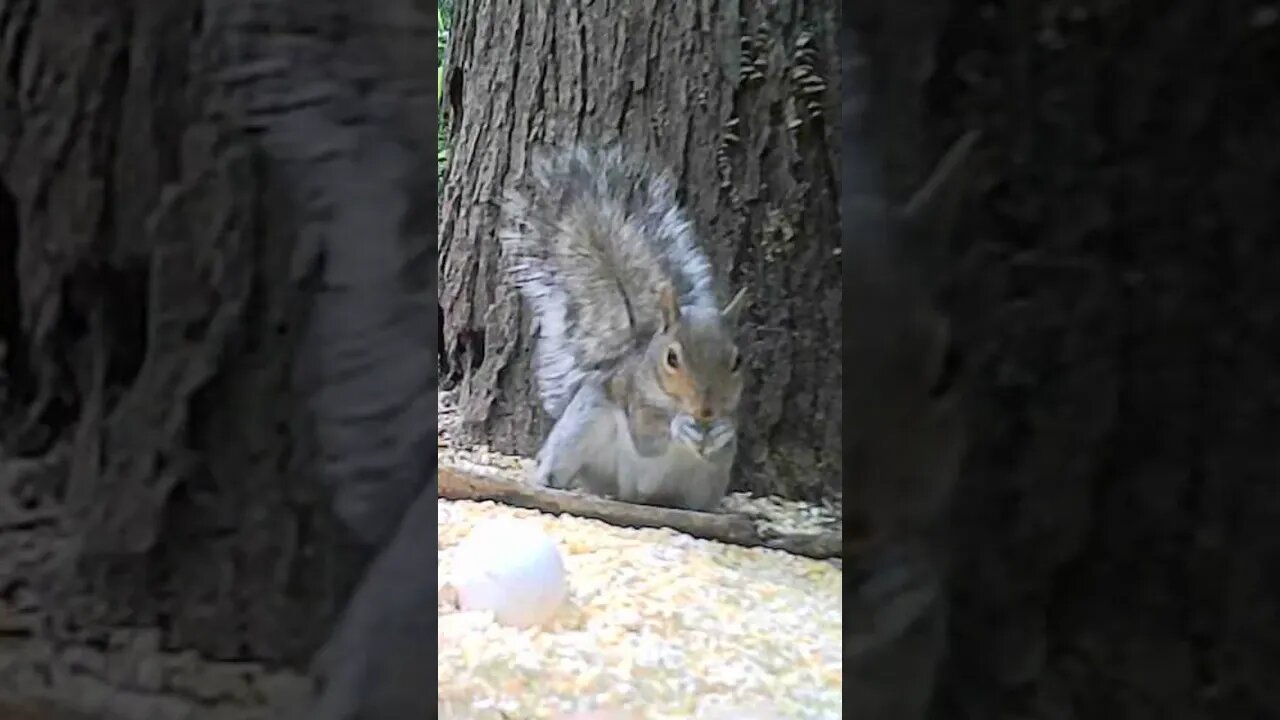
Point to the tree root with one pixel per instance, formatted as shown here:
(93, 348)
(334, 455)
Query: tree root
(464, 484)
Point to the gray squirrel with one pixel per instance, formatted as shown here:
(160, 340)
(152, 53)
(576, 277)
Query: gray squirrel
(634, 357)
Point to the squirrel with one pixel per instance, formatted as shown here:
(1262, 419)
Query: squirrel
(634, 358)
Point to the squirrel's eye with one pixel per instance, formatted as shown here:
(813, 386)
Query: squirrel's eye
(736, 363)
(673, 360)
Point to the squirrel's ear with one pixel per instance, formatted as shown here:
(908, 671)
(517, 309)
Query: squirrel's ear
(733, 311)
(669, 304)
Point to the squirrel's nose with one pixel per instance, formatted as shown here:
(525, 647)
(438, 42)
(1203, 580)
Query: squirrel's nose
(704, 413)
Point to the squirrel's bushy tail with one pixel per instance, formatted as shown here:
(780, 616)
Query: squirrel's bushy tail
(589, 244)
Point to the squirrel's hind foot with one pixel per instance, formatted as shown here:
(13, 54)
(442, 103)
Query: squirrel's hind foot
(540, 476)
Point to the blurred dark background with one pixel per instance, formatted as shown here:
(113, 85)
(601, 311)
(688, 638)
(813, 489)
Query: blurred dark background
(1115, 287)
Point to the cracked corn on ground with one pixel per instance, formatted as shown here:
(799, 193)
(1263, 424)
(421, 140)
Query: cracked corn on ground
(656, 621)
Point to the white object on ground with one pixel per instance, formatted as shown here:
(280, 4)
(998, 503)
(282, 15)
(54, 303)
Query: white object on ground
(511, 569)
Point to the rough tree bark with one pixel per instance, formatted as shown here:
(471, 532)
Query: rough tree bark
(1114, 287)
(209, 339)
(739, 100)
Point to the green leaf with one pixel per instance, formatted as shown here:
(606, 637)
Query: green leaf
(442, 39)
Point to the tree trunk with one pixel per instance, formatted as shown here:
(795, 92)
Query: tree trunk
(907, 378)
(740, 102)
(209, 338)
(1114, 286)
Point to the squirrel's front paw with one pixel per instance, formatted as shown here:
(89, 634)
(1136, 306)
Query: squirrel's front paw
(705, 440)
(718, 437)
(686, 431)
